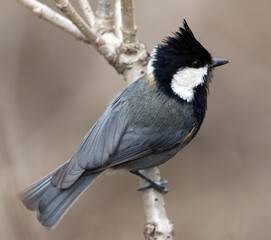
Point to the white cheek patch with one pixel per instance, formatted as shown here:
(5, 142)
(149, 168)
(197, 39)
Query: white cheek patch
(185, 80)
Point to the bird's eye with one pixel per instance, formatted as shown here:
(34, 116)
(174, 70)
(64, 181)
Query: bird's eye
(196, 64)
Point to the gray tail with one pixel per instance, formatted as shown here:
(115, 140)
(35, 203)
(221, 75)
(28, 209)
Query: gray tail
(53, 203)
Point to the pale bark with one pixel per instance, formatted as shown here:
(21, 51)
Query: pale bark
(104, 14)
(128, 22)
(49, 15)
(66, 7)
(87, 11)
(158, 226)
(117, 19)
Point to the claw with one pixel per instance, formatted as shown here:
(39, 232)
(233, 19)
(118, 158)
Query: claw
(144, 187)
(157, 185)
(163, 182)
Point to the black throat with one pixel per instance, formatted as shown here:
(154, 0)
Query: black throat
(200, 103)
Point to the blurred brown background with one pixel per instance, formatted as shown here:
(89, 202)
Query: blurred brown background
(53, 88)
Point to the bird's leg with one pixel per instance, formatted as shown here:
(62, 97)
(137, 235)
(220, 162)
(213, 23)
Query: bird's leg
(157, 185)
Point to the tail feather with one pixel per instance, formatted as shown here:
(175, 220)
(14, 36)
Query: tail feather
(31, 196)
(52, 203)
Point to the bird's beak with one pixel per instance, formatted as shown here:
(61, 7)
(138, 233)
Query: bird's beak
(218, 62)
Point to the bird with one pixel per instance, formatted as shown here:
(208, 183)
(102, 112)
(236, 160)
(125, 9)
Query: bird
(145, 126)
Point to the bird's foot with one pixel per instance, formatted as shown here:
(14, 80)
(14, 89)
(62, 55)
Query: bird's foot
(157, 185)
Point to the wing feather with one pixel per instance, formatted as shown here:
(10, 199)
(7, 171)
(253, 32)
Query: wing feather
(100, 142)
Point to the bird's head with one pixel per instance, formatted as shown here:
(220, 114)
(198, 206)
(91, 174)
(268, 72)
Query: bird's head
(180, 64)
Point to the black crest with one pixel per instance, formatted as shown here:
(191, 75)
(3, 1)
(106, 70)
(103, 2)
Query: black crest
(184, 43)
(177, 52)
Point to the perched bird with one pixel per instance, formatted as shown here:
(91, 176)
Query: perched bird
(146, 125)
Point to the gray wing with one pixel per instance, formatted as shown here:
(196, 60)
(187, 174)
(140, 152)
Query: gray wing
(98, 145)
(113, 140)
(141, 144)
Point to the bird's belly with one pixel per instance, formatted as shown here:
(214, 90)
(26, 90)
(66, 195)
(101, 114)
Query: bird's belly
(149, 161)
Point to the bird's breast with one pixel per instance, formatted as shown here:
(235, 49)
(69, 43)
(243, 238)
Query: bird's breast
(149, 106)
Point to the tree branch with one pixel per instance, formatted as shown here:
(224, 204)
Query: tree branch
(104, 14)
(117, 19)
(128, 22)
(128, 60)
(46, 13)
(158, 226)
(88, 13)
(128, 56)
(134, 53)
(66, 7)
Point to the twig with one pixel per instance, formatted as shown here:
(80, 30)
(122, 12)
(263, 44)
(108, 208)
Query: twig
(104, 14)
(105, 43)
(117, 19)
(128, 22)
(134, 53)
(46, 13)
(66, 7)
(88, 13)
(104, 9)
